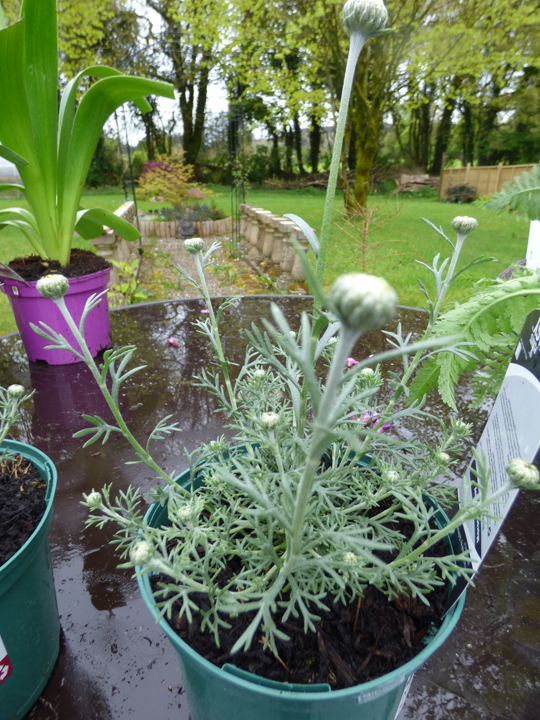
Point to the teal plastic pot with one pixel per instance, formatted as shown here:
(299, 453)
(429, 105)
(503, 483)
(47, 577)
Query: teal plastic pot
(29, 623)
(229, 693)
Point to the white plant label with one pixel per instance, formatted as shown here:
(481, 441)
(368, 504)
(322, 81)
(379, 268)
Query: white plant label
(404, 696)
(6, 668)
(533, 247)
(512, 431)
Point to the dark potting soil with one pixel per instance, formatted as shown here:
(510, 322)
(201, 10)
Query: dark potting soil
(82, 262)
(22, 503)
(353, 643)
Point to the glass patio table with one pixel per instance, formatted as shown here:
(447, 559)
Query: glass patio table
(114, 662)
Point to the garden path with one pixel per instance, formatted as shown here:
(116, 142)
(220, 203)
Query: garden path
(230, 274)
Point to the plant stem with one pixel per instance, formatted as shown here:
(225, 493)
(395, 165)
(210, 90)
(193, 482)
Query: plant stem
(320, 438)
(90, 363)
(355, 48)
(457, 521)
(217, 341)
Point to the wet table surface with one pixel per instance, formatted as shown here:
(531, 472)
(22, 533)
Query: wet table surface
(114, 661)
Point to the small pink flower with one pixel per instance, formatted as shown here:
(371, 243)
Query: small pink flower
(372, 421)
(351, 362)
(205, 311)
(173, 341)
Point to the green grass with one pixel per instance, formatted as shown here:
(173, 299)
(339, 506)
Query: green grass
(405, 238)
(394, 246)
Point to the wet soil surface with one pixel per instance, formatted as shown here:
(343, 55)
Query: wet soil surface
(22, 503)
(82, 262)
(352, 644)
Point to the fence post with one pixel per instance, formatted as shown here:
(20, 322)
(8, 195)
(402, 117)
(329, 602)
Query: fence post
(499, 168)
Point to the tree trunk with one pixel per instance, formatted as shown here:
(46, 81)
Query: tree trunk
(289, 147)
(298, 143)
(467, 133)
(444, 132)
(314, 143)
(274, 167)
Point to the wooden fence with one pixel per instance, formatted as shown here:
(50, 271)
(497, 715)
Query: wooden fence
(485, 179)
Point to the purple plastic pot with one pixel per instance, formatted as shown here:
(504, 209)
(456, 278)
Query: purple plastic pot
(29, 307)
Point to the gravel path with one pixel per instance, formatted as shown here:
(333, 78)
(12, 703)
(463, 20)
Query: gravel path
(228, 275)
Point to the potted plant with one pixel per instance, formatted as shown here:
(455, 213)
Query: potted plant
(52, 146)
(293, 540)
(29, 623)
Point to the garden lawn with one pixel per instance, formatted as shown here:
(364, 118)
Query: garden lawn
(392, 248)
(403, 238)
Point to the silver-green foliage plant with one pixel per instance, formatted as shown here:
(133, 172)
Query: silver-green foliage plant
(52, 145)
(11, 399)
(309, 508)
(521, 196)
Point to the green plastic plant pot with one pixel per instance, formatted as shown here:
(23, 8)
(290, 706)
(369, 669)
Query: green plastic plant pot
(229, 693)
(29, 622)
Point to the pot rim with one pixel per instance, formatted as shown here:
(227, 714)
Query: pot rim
(32, 453)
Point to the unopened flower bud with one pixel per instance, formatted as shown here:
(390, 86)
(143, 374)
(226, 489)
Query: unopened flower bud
(443, 458)
(194, 246)
(523, 474)
(367, 373)
(259, 374)
(350, 558)
(363, 302)
(53, 286)
(463, 225)
(141, 553)
(392, 476)
(185, 513)
(367, 17)
(15, 391)
(269, 420)
(93, 499)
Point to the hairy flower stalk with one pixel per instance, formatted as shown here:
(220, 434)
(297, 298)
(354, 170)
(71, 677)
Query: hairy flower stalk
(363, 19)
(364, 303)
(52, 288)
(10, 400)
(195, 247)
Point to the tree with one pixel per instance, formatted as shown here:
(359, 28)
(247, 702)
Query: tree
(190, 42)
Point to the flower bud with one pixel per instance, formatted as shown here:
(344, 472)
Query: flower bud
(259, 374)
(523, 474)
(350, 558)
(367, 373)
(464, 225)
(392, 476)
(194, 246)
(141, 553)
(184, 513)
(93, 499)
(53, 286)
(269, 420)
(443, 458)
(15, 391)
(367, 17)
(363, 302)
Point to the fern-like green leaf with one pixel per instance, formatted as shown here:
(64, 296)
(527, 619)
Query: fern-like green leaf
(521, 196)
(492, 320)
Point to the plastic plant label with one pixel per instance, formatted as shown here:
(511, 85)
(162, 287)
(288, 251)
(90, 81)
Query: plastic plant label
(6, 668)
(404, 696)
(512, 431)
